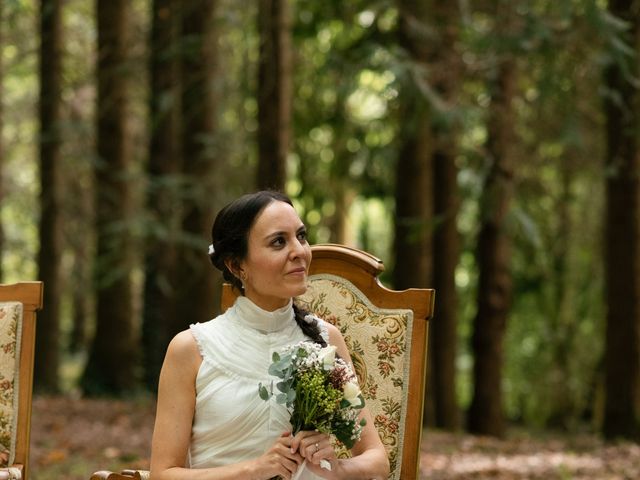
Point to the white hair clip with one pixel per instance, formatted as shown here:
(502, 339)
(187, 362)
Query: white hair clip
(309, 318)
(211, 249)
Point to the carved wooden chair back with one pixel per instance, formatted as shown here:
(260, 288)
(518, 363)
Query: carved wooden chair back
(386, 332)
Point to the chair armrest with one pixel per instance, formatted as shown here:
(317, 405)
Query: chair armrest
(137, 474)
(124, 475)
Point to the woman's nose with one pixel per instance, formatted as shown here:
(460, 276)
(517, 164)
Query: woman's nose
(297, 248)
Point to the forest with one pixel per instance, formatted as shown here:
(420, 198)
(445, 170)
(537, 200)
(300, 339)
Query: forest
(489, 150)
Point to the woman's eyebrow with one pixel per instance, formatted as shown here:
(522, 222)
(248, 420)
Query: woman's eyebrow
(278, 233)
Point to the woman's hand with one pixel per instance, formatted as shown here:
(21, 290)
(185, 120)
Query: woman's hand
(279, 460)
(316, 449)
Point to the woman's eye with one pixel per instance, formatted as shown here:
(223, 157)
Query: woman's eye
(302, 236)
(278, 242)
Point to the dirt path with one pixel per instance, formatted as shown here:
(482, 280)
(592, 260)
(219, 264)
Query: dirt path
(71, 438)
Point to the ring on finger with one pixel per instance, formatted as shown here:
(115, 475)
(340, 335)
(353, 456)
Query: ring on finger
(317, 447)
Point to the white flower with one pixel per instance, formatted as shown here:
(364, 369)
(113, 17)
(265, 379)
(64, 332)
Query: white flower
(327, 356)
(351, 392)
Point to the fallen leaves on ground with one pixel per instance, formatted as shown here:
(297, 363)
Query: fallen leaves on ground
(72, 437)
(522, 456)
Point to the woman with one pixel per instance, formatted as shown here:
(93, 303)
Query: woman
(211, 423)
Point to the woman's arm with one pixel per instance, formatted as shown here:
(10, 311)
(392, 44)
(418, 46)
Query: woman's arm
(369, 459)
(174, 417)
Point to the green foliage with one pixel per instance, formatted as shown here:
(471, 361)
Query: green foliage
(554, 336)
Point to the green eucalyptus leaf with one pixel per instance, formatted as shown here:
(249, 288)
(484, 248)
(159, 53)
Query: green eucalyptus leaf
(291, 395)
(263, 392)
(276, 370)
(283, 386)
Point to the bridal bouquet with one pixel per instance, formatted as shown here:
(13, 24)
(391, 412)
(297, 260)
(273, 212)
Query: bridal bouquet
(320, 390)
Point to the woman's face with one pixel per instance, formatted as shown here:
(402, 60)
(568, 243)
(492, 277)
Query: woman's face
(278, 257)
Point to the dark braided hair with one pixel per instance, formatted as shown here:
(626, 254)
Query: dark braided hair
(230, 235)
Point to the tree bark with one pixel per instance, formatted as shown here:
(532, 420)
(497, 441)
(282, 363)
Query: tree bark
(79, 220)
(622, 238)
(112, 359)
(162, 196)
(274, 93)
(198, 297)
(50, 253)
(414, 183)
(81, 300)
(445, 66)
(443, 332)
(486, 415)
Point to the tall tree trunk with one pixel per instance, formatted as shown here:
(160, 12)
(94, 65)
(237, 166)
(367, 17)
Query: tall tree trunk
(112, 360)
(81, 275)
(198, 297)
(622, 238)
(413, 189)
(79, 221)
(342, 197)
(446, 244)
(50, 254)
(162, 199)
(274, 92)
(79, 238)
(486, 415)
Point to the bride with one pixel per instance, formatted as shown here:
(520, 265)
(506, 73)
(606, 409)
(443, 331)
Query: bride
(210, 422)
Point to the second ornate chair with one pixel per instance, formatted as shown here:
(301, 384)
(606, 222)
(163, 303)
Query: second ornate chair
(18, 305)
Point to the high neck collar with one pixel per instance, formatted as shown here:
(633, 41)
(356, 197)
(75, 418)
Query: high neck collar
(262, 320)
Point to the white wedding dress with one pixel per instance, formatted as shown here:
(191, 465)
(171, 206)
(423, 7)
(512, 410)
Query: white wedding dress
(232, 423)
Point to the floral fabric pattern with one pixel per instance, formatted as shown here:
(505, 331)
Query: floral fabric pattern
(10, 332)
(379, 342)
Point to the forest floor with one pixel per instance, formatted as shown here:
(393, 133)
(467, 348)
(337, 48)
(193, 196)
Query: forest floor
(71, 438)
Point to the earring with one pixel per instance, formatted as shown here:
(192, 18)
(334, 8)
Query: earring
(243, 278)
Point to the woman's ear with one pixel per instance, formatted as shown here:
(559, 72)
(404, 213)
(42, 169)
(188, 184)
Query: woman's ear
(233, 266)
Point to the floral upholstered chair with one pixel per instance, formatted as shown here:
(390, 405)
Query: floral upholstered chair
(386, 332)
(18, 305)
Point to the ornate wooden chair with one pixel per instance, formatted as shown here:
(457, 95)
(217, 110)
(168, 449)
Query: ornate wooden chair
(18, 305)
(386, 332)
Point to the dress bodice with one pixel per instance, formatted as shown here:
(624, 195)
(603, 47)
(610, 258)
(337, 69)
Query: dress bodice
(231, 422)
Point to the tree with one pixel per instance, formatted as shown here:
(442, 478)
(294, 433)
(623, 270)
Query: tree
(495, 286)
(112, 360)
(274, 92)
(622, 235)
(50, 253)
(198, 296)
(162, 199)
(445, 68)
(413, 189)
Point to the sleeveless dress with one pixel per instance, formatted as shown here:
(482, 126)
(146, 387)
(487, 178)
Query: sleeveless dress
(231, 422)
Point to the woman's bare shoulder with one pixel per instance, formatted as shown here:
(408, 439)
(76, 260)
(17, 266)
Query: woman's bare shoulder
(334, 333)
(183, 348)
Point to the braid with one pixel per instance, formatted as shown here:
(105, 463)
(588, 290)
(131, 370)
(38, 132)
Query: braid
(311, 330)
